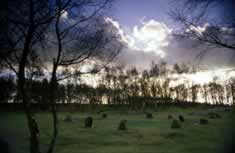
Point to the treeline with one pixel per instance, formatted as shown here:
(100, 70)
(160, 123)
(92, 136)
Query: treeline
(131, 87)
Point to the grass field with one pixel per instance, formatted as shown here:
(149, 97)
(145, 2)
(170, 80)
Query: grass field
(143, 135)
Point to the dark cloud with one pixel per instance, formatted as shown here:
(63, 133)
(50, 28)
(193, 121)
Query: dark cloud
(179, 51)
(133, 58)
(187, 50)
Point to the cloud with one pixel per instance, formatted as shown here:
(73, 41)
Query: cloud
(151, 36)
(64, 15)
(141, 60)
(120, 31)
(199, 29)
(152, 30)
(154, 41)
(222, 75)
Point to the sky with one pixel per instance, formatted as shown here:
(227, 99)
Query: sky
(130, 12)
(147, 29)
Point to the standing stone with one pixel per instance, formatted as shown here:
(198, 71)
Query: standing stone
(88, 122)
(100, 111)
(149, 115)
(213, 115)
(122, 125)
(104, 115)
(181, 118)
(228, 109)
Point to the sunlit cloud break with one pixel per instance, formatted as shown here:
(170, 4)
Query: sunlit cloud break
(150, 36)
(222, 76)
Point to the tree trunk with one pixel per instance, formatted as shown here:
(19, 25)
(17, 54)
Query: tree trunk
(53, 87)
(53, 81)
(32, 124)
(233, 94)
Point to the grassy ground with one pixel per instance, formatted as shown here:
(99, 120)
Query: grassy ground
(143, 135)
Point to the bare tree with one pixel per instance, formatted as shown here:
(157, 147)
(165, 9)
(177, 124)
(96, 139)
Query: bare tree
(27, 22)
(195, 19)
(144, 86)
(232, 89)
(205, 92)
(81, 36)
(194, 92)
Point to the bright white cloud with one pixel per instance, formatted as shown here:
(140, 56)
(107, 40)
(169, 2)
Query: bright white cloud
(205, 77)
(152, 30)
(151, 36)
(199, 29)
(64, 15)
(118, 28)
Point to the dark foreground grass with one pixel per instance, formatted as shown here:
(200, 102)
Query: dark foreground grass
(143, 135)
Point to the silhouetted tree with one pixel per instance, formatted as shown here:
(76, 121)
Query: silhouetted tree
(7, 88)
(86, 38)
(205, 90)
(28, 25)
(197, 23)
(194, 92)
(27, 21)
